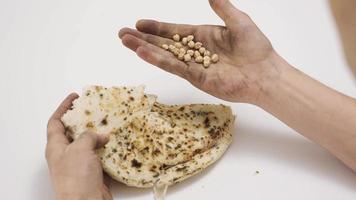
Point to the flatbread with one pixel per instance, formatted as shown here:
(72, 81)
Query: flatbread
(156, 143)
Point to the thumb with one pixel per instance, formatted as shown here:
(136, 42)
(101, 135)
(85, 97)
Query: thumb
(226, 11)
(91, 141)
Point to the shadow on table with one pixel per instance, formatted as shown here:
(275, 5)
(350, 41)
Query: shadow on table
(122, 191)
(294, 151)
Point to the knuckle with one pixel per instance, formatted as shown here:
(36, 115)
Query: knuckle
(243, 18)
(87, 137)
(245, 15)
(150, 39)
(49, 123)
(145, 37)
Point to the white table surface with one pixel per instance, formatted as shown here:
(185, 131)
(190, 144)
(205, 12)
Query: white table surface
(50, 48)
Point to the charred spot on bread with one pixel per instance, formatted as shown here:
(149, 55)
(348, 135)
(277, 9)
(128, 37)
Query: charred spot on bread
(104, 121)
(181, 168)
(206, 122)
(90, 125)
(165, 166)
(136, 164)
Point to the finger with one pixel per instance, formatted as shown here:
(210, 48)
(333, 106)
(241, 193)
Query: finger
(163, 59)
(90, 141)
(163, 29)
(106, 193)
(55, 128)
(107, 180)
(155, 55)
(64, 106)
(166, 61)
(153, 39)
(132, 42)
(226, 11)
(102, 140)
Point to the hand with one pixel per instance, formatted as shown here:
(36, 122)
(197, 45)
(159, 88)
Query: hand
(75, 169)
(246, 55)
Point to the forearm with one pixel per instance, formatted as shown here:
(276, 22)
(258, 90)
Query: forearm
(319, 113)
(345, 16)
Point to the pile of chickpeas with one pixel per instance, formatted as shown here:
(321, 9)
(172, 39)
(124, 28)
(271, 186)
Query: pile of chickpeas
(188, 50)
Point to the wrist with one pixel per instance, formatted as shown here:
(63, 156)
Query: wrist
(275, 70)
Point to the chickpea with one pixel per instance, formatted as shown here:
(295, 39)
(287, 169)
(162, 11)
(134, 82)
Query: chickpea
(198, 45)
(207, 53)
(178, 45)
(190, 38)
(171, 47)
(165, 46)
(187, 58)
(206, 63)
(181, 56)
(191, 44)
(199, 59)
(190, 52)
(196, 54)
(185, 41)
(176, 37)
(202, 50)
(175, 51)
(182, 50)
(215, 58)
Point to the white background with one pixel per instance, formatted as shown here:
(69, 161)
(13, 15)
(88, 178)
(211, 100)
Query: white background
(50, 48)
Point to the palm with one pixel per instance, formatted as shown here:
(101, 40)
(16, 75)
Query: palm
(240, 45)
(241, 49)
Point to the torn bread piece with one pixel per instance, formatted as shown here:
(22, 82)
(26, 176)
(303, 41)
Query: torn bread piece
(101, 109)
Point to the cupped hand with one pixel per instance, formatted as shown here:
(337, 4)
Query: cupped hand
(246, 55)
(75, 169)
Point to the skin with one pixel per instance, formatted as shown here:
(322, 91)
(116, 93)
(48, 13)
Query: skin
(249, 71)
(75, 169)
(241, 45)
(345, 16)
